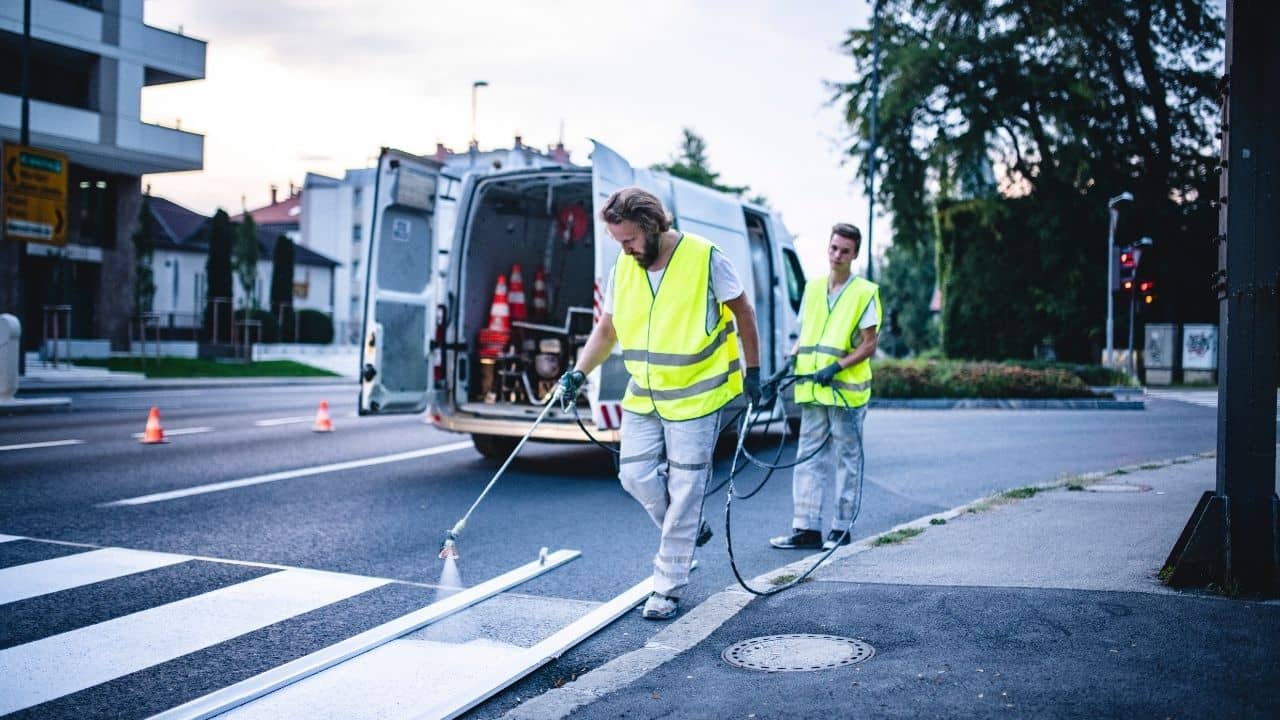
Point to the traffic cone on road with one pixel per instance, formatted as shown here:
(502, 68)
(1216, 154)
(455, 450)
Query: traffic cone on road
(516, 299)
(540, 304)
(324, 423)
(153, 434)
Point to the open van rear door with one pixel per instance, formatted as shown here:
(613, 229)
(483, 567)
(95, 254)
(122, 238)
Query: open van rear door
(609, 172)
(399, 316)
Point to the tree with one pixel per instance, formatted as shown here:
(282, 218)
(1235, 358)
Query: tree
(1063, 102)
(144, 284)
(245, 260)
(282, 262)
(690, 163)
(218, 272)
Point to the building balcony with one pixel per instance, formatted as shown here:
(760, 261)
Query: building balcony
(137, 148)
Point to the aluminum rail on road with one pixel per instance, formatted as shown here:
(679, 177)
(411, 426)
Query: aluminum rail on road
(232, 696)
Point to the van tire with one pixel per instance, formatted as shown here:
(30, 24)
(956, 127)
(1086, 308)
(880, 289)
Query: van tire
(494, 447)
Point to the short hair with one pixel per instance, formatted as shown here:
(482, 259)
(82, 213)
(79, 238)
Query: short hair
(848, 231)
(638, 206)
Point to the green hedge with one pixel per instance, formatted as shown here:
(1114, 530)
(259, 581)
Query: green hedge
(1090, 374)
(960, 379)
(314, 327)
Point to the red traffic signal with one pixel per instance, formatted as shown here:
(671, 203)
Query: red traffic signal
(1128, 260)
(1145, 286)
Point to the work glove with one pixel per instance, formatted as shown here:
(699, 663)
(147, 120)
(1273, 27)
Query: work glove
(571, 382)
(751, 385)
(826, 374)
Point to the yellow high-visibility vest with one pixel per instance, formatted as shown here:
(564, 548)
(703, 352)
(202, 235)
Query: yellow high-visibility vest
(678, 367)
(826, 335)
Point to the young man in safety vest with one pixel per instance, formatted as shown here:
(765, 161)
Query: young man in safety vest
(839, 318)
(676, 306)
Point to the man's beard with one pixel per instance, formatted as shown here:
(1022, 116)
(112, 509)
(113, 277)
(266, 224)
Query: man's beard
(652, 246)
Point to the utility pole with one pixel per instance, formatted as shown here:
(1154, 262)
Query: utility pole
(871, 146)
(19, 253)
(1231, 538)
(1108, 357)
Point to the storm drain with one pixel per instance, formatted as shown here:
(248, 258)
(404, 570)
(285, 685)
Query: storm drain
(797, 653)
(1117, 487)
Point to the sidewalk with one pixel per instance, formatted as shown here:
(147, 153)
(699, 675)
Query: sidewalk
(1042, 607)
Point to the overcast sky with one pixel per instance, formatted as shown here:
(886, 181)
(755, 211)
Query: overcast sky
(319, 85)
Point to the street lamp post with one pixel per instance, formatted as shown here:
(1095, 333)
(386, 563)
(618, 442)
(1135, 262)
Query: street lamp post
(1108, 357)
(871, 150)
(474, 87)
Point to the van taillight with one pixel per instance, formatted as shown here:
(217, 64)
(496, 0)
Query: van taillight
(437, 354)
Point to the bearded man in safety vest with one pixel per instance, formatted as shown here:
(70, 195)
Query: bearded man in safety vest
(676, 306)
(839, 317)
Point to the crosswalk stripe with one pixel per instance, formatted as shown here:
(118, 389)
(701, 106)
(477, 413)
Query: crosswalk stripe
(20, 582)
(43, 670)
(34, 445)
(287, 475)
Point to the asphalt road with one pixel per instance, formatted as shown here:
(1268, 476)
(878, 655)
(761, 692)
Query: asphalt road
(387, 520)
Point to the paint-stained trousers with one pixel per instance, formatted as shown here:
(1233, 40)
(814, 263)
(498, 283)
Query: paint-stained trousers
(665, 466)
(812, 478)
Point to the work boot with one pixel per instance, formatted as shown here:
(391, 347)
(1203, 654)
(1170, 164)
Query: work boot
(660, 607)
(837, 537)
(704, 534)
(798, 540)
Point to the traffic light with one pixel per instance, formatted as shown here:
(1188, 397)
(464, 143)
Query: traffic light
(1147, 289)
(1128, 268)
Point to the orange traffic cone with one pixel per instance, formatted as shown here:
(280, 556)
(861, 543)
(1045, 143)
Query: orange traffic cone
(516, 299)
(324, 423)
(500, 311)
(154, 433)
(540, 304)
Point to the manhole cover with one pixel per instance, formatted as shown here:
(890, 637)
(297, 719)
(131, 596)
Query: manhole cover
(1117, 487)
(797, 653)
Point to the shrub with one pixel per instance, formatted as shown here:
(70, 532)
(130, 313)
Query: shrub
(1090, 374)
(314, 327)
(959, 379)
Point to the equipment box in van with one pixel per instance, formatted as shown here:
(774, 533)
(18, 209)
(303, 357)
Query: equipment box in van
(482, 289)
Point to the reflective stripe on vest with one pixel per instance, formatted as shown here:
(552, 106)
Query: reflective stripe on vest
(677, 368)
(826, 335)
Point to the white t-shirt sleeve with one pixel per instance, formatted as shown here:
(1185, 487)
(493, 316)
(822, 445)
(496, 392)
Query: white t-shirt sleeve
(606, 308)
(725, 284)
(868, 319)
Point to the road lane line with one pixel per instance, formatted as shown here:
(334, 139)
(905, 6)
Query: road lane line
(179, 432)
(43, 670)
(288, 475)
(272, 422)
(20, 582)
(10, 538)
(51, 443)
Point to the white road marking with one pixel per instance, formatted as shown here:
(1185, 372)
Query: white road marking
(10, 538)
(272, 422)
(46, 669)
(288, 475)
(20, 582)
(180, 431)
(51, 443)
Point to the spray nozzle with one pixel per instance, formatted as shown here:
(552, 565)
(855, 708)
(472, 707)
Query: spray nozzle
(449, 551)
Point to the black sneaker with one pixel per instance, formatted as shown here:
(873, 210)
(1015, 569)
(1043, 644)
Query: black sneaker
(704, 534)
(837, 537)
(798, 540)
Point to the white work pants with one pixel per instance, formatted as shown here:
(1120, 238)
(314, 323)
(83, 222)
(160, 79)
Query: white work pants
(665, 465)
(812, 478)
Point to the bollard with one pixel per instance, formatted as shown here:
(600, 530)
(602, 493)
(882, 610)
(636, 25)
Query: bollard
(10, 349)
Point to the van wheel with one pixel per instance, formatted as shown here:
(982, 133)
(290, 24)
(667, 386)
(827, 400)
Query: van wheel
(494, 447)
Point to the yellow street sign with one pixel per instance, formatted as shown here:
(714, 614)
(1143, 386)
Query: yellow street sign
(33, 183)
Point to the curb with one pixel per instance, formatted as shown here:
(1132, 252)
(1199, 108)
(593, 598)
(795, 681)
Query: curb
(1005, 404)
(706, 618)
(39, 387)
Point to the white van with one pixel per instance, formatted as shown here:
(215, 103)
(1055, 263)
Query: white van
(439, 244)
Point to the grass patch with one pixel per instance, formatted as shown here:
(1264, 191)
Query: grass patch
(1166, 574)
(1021, 493)
(937, 521)
(172, 367)
(1150, 466)
(897, 536)
(1120, 471)
(783, 579)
